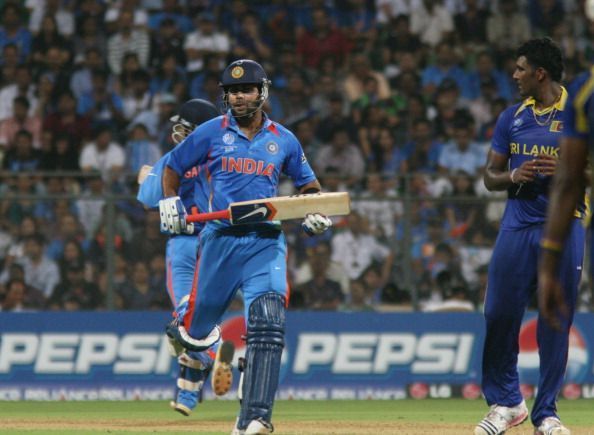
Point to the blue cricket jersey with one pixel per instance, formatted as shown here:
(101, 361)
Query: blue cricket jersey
(191, 189)
(239, 169)
(522, 133)
(578, 116)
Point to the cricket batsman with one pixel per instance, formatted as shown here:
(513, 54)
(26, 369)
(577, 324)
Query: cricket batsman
(181, 260)
(244, 152)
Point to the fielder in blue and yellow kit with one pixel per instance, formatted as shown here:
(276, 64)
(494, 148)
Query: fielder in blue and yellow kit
(568, 187)
(244, 154)
(521, 160)
(181, 259)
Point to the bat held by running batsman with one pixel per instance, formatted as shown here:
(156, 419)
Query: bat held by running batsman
(280, 208)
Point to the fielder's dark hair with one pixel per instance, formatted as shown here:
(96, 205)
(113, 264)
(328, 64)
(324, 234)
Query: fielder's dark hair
(543, 53)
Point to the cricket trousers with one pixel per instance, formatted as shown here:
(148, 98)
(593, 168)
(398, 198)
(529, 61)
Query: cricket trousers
(247, 257)
(181, 261)
(511, 285)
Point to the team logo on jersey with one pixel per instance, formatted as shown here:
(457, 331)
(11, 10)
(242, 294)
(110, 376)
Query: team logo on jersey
(228, 138)
(237, 72)
(556, 126)
(272, 147)
(517, 122)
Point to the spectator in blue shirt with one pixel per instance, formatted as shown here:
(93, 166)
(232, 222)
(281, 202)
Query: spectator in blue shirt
(462, 153)
(12, 30)
(446, 66)
(100, 105)
(485, 69)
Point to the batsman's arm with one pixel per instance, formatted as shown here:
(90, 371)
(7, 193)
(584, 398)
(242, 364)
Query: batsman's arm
(311, 187)
(171, 181)
(191, 152)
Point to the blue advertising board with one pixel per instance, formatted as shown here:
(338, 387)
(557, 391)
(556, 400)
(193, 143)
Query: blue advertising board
(123, 355)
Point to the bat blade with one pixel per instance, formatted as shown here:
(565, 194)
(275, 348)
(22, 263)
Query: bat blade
(290, 207)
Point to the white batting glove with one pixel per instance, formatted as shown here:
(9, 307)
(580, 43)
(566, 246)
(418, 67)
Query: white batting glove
(316, 223)
(173, 216)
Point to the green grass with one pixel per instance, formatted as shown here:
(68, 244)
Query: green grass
(156, 417)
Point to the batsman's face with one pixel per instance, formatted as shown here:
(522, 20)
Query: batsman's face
(243, 98)
(524, 75)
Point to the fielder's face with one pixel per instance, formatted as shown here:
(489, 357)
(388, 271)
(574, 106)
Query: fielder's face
(525, 77)
(243, 99)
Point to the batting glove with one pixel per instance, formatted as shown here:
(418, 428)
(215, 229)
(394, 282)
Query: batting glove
(173, 216)
(315, 223)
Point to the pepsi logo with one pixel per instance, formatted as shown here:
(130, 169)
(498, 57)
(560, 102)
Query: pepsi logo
(418, 390)
(527, 391)
(471, 391)
(529, 361)
(233, 329)
(571, 391)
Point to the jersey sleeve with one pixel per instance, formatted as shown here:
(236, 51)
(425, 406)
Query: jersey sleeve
(575, 118)
(192, 151)
(501, 136)
(296, 165)
(150, 191)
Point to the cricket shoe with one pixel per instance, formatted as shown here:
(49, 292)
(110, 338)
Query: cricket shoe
(256, 427)
(186, 401)
(551, 426)
(222, 373)
(194, 368)
(501, 418)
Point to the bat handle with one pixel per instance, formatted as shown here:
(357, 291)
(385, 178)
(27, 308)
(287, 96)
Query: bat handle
(203, 217)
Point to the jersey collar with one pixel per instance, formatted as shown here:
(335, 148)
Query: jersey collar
(530, 101)
(229, 121)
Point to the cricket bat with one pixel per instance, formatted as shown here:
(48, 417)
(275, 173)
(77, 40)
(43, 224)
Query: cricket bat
(280, 208)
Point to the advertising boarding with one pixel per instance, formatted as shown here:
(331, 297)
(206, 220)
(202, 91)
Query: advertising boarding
(124, 356)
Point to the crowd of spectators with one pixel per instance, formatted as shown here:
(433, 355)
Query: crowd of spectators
(392, 100)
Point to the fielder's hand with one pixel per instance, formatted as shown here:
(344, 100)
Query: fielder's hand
(173, 216)
(316, 223)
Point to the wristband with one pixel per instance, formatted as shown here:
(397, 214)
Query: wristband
(551, 245)
(511, 175)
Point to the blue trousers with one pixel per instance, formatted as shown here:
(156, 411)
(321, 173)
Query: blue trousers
(181, 260)
(230, 259)
(511, 284)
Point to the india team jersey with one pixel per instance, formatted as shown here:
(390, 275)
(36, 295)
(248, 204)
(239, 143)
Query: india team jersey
(578, 116)
(239, 169)
(523, 133)
(191, 189)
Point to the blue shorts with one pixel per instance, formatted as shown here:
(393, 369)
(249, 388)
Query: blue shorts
(181, 261)
(231, 259)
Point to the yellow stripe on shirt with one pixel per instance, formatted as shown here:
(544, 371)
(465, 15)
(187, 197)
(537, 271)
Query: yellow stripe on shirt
(581, 119)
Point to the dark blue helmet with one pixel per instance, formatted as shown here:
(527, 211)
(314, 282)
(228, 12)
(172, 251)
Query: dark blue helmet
(245, 72)
(191, 114)
(195, 112)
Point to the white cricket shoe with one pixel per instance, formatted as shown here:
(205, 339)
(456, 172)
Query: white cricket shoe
(551, 426)
(256, 427)
(501, 418)
(222, 370)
